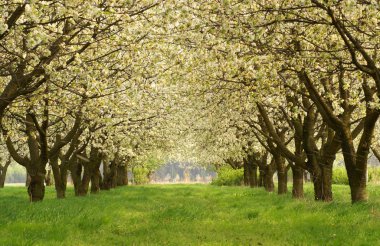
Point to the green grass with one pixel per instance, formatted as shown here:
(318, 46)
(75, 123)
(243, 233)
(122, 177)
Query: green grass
(188, 215)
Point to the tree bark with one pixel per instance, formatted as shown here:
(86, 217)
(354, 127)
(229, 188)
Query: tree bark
(3, 172)
(60, 177)
(85, 184)
(122, 175)
(2, 180)
(297, 191)
(245, 173)
(281, 174)
(253, 175)
(36, 188)
(95, 181)
(327, 195)
(268, 179)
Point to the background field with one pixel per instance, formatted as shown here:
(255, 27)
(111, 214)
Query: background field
(188, 214)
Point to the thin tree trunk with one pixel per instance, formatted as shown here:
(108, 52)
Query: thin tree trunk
(261, 177)
(246, 173)
(2, 179)
(3, 172)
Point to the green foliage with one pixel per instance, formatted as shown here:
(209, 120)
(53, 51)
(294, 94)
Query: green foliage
(228, 176)
(374, 175)
(140, 175)
(339, 176)
(188, 215)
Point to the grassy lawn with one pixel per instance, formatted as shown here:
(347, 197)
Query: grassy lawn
(188, 215)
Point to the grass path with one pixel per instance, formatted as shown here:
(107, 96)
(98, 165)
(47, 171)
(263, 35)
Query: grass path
(188, 215)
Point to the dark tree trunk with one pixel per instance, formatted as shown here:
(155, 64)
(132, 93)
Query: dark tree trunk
(356, 162)
(76, 172)
(60, 177)
(268, 179)
(261, 177)
(114, 169)
(36, 188)
(3, 172)
(110, 176)
(2, 180)
(281, 174)
(297, 191)
(253, 175)
(85, 184)
(246, 173)
(317, 183)
(122, 175)
(269, 184)
(282, 182)
(95, 181)
(327, 195)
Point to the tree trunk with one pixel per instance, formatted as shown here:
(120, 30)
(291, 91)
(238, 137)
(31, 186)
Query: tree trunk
(60, 177)
(269, 184)
(246, 173)
(261, 177)
(359, 189)
(95, 181)
(76, 173)
(36, 188)
(281, 174)
(122, 175)
(3, 172)
(114, 169)
(253, 175)
(317, 182)
(2, 179)
(297, 191)
(327, 195)
(85, 184)
(268, 179)
(356, 162)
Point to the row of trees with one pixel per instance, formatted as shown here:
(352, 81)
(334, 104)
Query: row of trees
(295, 83)
(268, 85)
(80, 88)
